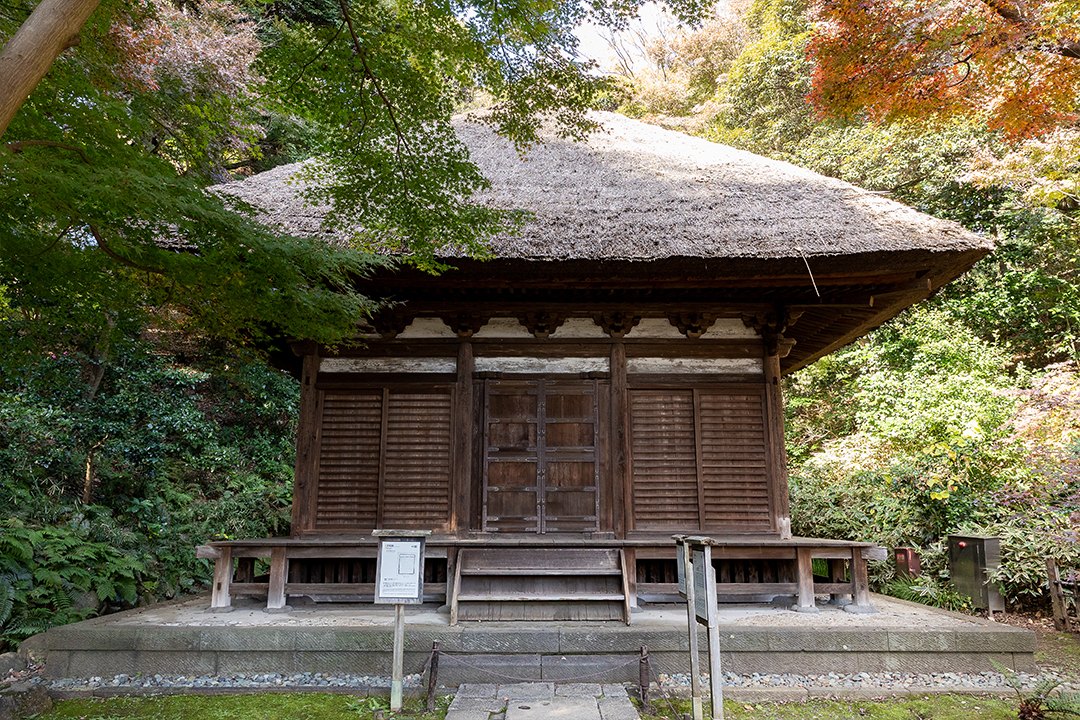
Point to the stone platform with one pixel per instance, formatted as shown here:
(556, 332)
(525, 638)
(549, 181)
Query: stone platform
(182, 638)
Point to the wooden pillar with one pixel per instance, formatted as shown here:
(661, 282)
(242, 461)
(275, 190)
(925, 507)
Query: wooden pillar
(860, 582)
(621, 491)
(220, 601)
(279, 570)
(774, 411)
(805, 575)
(307, 448)
(461, 493)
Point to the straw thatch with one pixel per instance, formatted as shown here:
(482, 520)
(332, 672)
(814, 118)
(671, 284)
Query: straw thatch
(640, 192)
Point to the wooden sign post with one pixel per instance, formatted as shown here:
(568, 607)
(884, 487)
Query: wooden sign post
(399, 580)
(697, 583)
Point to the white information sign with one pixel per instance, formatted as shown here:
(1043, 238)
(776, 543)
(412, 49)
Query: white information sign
(401, 567)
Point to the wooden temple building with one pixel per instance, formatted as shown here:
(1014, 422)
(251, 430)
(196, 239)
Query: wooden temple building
(611, 378)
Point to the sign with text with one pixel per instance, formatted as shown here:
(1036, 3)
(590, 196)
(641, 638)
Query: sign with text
(400, 571)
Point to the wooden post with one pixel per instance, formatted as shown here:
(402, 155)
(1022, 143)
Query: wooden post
(433, 676)
(279, 571)
(837, 575)
(1057, 596)
(643, 679)
(307, 446)
(691, 620)
(774, 421)
(805, 572)
(220, 601)
(397, 672)
(716, 680)
(860, 583)
(461, 492)
(621, 490)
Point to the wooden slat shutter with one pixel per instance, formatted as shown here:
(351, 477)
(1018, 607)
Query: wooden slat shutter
(348, 490)
(384, 460)
(663, 459)
(734, 474)
(698, 460)
(416, 478)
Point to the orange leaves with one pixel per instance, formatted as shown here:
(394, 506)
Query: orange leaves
(937, 58)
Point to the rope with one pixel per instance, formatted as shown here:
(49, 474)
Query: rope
(521, 679)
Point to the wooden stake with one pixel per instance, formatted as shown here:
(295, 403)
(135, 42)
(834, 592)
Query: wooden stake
(433, 676)
(397, 673)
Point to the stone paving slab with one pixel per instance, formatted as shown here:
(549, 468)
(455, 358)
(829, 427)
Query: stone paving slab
(558, 708)
(542, 701)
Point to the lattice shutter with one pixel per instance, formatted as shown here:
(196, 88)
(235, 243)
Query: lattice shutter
(663, 459)
(416, 478)
(734, 474)
(348, 489)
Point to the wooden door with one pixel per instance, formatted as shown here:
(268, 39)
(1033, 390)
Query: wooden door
(541, 465)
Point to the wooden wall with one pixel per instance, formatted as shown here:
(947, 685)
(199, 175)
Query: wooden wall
(633, 432)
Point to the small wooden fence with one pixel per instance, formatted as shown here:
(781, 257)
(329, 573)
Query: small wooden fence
(1064, 585)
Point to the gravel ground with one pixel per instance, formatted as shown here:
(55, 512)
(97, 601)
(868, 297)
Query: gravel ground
(875, 681)
(259, 680)
(881, 681)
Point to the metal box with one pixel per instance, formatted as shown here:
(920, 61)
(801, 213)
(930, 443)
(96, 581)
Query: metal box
(970, 557)
(907, 562)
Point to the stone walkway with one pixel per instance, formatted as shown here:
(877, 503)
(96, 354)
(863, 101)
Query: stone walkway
(541, 701)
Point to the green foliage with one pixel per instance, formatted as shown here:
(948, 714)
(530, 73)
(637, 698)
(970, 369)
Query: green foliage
(1039, 701)
(177, 455)
(928, 590)
(45, 572)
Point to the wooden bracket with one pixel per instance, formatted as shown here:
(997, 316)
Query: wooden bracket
(390, 323)
(692, 324)
(771, 326)
(616, 324)
(465, 324)
(541, 324)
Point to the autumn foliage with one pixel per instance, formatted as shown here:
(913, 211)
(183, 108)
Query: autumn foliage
(1014, 62)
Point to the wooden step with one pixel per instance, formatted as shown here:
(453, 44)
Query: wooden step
(511, 597)
(541, 571)
(540, 583)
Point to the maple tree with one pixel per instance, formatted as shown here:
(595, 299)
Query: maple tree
(1014, 62)
(105, 213)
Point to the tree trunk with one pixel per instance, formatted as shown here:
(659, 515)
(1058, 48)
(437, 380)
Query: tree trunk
(52, 28)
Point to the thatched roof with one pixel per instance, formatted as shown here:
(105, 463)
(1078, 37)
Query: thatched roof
(650, 219)
(640, 192)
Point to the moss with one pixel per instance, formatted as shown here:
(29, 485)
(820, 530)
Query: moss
(286, 706)
(930, 707)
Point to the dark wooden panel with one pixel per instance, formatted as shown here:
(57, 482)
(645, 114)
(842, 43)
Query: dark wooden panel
(663, 462)
(416, 486)
(734, 468)
(348, 481)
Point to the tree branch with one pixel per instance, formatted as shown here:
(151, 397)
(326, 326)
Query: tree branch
(16, 147)
(122, 260)
(305, 66)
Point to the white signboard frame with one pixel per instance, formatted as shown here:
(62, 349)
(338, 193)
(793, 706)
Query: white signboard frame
(697, 583)
(399, 572)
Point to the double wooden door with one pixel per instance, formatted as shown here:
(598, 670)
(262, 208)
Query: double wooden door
(541, 459)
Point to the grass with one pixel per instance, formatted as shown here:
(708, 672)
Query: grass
(931, 707)
(286, 706)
